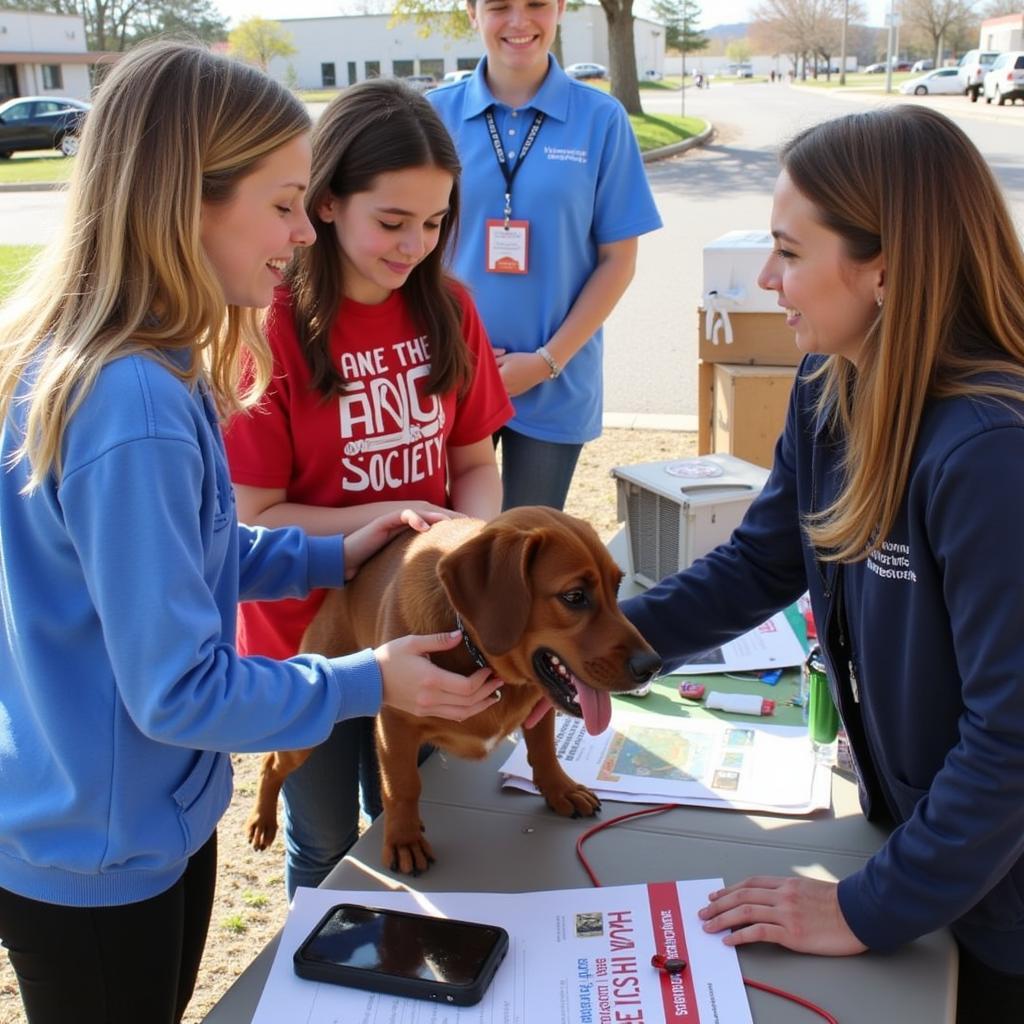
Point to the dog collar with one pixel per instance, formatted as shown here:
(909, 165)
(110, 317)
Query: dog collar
(474, 652)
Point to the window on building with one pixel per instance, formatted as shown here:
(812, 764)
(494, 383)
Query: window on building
(403, 68)
(53, 77)
(327, 76)
(466, 63)
(373, 69)
(351, 72)
(433, 67)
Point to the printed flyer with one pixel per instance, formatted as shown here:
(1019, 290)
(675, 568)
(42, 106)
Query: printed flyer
(576, 956)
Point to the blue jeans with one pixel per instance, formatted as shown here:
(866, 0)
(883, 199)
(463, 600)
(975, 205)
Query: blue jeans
(321, 802)
(535, 472)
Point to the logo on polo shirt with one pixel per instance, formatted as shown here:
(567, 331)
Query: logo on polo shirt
(576, 156)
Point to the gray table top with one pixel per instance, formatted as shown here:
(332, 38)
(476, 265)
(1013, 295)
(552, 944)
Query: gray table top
(490, 840)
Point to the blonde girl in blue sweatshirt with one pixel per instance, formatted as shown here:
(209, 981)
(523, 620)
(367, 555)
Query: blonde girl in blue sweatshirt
(121, 557)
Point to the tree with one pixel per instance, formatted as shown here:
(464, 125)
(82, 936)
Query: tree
(118, 24)
(680, 18)
(1000, 8)
(802, 28)
(935, 19)
(259, 41)
(739, 51)
(448, 17)
(197, 18)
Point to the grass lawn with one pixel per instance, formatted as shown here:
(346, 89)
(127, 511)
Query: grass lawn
(12, 261)
(858, 80)
(42, 165)
(654, 130)
(317, 95)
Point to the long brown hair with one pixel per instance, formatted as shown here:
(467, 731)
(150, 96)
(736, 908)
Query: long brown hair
(905, 183)
(172, 126)
(371, 129)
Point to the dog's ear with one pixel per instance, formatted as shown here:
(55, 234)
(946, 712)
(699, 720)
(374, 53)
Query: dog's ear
(487, 579)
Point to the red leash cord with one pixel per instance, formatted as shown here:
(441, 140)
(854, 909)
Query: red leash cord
(659, 809)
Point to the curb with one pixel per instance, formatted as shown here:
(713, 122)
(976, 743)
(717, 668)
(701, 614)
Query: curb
(32, 186)
(649, 421)
(679, 147)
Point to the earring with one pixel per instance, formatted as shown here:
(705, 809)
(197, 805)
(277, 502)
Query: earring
(879, 299)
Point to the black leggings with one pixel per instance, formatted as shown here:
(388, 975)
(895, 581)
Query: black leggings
(112, 965)
(986, 996)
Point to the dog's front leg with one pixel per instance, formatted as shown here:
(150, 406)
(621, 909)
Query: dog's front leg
(398, 742)
(563, 794)
(261, 828)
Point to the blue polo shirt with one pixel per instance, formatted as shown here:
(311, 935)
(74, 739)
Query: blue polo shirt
(581, 185)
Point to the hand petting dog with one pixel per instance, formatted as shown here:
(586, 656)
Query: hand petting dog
(365, 542)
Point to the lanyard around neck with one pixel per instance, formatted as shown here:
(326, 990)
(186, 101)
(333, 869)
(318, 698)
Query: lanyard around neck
(509, 173)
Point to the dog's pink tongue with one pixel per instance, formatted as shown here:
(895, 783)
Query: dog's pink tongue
(596, 706)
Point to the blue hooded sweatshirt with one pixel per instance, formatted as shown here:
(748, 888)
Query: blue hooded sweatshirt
(121, 691)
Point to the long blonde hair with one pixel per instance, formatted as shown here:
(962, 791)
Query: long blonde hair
(172, 126)
(906, 183)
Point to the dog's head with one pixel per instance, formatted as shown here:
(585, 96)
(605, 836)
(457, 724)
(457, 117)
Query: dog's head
(538, 592)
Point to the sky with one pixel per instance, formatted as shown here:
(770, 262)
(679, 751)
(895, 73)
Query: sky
(715, 12)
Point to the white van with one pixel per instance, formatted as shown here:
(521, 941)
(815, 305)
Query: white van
(971, 69)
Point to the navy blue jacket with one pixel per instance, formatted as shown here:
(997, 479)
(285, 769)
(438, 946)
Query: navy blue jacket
(928, 672)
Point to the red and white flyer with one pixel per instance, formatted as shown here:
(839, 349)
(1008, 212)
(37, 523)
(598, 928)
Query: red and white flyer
(576, 956)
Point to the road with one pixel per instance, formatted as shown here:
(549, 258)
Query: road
(651, 338)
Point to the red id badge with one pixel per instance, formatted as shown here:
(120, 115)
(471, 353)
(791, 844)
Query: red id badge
(508, 248)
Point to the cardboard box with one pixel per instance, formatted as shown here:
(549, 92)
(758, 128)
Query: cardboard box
(760, 339)
(749, 406)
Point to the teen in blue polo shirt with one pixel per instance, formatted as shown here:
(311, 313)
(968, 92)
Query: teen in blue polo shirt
(548, 264)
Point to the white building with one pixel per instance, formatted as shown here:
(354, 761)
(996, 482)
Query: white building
(346, 49)
(1002, 34)
(44, 54)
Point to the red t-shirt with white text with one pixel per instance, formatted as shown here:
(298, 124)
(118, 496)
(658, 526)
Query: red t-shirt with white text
(385, 439)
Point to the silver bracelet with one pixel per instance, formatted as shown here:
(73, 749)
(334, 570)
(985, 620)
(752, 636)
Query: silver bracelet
(553, 367)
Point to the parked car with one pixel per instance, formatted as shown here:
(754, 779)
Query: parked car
(1005, 79)
(923, 65)
(421, 83)
(40, 122)
(455, 76)
(586, 70)
(650, 75)
(943, 81)
(972, 67)
(879, 69)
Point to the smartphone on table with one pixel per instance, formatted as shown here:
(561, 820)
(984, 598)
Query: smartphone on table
(403, 954)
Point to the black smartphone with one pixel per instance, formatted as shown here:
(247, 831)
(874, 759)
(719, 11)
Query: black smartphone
(403, 954)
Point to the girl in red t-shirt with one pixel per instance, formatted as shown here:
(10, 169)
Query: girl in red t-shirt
(385, 395)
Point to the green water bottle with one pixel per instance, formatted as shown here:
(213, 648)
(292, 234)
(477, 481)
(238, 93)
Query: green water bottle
(822, 717)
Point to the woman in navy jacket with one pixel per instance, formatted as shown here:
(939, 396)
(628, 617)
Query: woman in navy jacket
(896, 497)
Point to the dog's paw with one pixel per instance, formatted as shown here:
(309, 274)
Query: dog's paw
(572, 800)
(408, 853)
(260, 831)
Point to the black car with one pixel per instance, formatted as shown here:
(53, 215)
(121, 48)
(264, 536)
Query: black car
(40, 122)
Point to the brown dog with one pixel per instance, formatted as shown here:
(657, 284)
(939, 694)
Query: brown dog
(535, 591)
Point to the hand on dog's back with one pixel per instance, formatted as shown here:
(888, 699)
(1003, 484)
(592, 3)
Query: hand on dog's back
(413, 683)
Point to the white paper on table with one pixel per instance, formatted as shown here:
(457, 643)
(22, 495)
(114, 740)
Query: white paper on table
(773, 644)
(710, 762)
(574, 954)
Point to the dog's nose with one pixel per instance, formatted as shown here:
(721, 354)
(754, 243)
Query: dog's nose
(644, 665)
